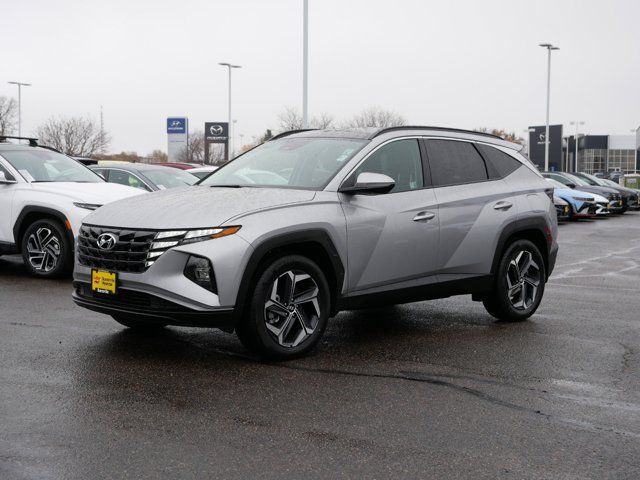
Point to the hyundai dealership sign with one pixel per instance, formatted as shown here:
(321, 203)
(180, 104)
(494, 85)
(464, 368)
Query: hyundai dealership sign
(177, 125)
(177, 137)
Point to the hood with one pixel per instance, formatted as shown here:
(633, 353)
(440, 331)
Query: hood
(99, 193)
(569, 192)
(193, 207)
(596, 189)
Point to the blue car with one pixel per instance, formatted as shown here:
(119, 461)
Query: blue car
(582, 204)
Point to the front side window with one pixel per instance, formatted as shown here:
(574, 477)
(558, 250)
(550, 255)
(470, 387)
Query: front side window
(125, 178)
(455, 163)
(399, 160)
(303, 162)
(7, 175)
(39, 165)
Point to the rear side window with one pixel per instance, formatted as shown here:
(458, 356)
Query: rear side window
(455, 163)
(499, 164)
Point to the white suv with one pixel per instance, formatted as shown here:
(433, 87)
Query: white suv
(44, 196)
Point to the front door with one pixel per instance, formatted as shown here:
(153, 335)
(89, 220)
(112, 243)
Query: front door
(392, 238)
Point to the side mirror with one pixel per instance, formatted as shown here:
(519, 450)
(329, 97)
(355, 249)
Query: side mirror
(4, 180)
(368, 182)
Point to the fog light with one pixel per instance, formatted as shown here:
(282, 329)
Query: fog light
(200, 272)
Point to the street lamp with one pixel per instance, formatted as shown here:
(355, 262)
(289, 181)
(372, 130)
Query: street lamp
(305, 64)
(20, 85)
(230, 147)
(576, 123)
(549, 47)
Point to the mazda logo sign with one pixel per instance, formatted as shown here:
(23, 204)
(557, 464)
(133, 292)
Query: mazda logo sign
(216, 129)
(107, 241)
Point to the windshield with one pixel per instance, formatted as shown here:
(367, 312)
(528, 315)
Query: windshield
(38, 165)
(590, 179)
(168, 177)
(576, 180)
(289, 162)
(556, 184)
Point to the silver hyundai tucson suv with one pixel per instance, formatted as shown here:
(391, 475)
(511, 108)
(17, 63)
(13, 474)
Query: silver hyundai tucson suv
(313, 222)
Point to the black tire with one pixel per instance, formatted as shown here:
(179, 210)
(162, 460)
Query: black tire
(515, 308)
(264, 316)
(46, 249)
(137, 324)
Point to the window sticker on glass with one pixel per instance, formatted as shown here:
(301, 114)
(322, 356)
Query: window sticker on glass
(27, 176)
(344, 155)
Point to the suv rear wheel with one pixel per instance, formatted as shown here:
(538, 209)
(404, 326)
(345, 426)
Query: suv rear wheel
(46, 249)
(289, 309)
(519, 283)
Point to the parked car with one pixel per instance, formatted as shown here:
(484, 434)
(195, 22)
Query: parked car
(614, 198)
(202, 172)
(178, 165)
(629, 196)
(563, 210)
(366, 217)
(145, 176)
(582, 204)
(44, 195)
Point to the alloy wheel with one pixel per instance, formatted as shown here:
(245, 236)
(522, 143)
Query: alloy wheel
(292, 311)
(523, 279)
(43, 250)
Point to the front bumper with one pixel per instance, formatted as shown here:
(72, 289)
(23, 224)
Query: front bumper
(152, 308)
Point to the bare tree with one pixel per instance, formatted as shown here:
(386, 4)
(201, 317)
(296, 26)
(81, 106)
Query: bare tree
(75, 136)
(193, 152)
(158, 156)
(375, 117)
(8, 112)
(508, 136)
(291, 119)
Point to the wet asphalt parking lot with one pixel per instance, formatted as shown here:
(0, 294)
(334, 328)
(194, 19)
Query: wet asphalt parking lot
(429, 390)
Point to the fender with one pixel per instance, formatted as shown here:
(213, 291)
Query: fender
(50, 212)
(289, 240)
(538, 224)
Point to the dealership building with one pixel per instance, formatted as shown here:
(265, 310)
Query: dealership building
(595, 153)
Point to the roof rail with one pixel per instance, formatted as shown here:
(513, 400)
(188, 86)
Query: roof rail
(442, 129)
(291, 132)
(33, 142)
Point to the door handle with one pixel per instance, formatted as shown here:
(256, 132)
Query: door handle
(424, 216)
(503, 206)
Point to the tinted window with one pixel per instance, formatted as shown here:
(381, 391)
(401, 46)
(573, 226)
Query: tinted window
(400, 160)
(454, 163)
(499, 164)
(125, 178)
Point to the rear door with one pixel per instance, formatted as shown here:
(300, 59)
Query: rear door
(392, 237)
(474, 206)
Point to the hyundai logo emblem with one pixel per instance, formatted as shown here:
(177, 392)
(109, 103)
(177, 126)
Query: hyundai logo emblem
(107, 241)
(216, 129)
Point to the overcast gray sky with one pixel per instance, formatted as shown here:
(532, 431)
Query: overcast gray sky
(459, 63)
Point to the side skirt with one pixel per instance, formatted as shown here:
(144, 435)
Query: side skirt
(475, 286)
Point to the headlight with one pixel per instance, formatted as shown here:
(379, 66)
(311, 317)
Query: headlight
(172, 238)
(87, 206)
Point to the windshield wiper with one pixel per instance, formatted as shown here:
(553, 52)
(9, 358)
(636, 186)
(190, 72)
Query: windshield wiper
(228, 186)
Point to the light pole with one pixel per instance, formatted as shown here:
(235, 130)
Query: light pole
(20, 85)
(575, 160)
(230, 133)
(305, 64)
(549, 47)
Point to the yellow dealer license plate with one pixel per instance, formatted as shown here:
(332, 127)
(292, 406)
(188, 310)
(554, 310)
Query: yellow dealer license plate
(104, 282)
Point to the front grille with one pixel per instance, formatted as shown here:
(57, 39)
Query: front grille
(130, 299)
(133, 252)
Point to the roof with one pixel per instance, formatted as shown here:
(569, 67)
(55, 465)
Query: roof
(369, 133)
(130, 166)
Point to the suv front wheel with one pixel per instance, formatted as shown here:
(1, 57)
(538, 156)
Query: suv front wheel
(288, 311)
(46, 249)
(519, 283)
